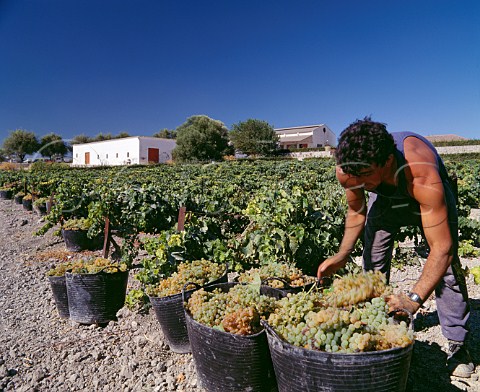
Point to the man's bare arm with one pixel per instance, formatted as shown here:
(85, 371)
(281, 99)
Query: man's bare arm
(354, 224)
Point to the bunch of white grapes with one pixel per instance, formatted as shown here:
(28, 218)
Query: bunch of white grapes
(237, 311)
(198, 271)
(352, 317)
(291, 274)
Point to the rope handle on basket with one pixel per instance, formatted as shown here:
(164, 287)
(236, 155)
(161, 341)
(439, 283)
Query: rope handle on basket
(286, 285)
(406, 312)
(197, 286)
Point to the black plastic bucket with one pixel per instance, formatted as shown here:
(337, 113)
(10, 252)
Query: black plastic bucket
(27, 204)
(59, 291)
(171, 317)
(6, 194)
(96, 298)
(303, 370)
(228, 362)
(40, 209)
(77, 240)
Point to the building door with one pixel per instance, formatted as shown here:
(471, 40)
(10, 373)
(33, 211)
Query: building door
(87, 158)
(153, 155)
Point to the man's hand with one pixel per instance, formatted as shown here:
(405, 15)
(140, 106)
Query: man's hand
(330, 266)
(401, 301)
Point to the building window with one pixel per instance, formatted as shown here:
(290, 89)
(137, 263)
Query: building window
(128, 154)
(117, 155)
(98, 156)
(106, 156)
(76, 155)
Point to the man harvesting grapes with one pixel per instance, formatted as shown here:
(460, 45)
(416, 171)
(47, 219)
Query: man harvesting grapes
(407, 184)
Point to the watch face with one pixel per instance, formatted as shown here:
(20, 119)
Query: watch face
(415, 297)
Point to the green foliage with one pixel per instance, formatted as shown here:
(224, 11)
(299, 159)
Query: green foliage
(243, 212)
(80, 139)
(403, 256)
(21, 143)
(137, 300)
(469, 229)
(52, 145)
(288, 226)
(475, 271)
(170, 248)
(466, 249)
(468, 142)
(122, 135)
(40, 201)
(166, 134)
(102, 136)
(3, 155)
(254, 137)
(201, 138)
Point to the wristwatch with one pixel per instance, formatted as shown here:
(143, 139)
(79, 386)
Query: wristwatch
(415, 297)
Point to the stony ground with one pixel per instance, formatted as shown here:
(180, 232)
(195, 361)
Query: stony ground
(41, 352)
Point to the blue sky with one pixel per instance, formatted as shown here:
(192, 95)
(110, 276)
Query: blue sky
(90, 66)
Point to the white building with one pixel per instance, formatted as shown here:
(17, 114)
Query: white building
(126, 151)
(309, 136)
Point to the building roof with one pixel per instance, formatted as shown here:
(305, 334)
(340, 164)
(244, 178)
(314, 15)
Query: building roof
(300, 127)
(295, 138)
(445, 138)
(123, 138)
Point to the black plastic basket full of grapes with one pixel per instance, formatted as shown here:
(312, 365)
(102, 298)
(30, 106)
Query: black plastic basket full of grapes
(284, 289)
(171, 316)
(278, 278)
(340, 340)
(228, 361)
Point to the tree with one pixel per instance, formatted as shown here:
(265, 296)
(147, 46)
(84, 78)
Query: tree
(3, 155)
(254, 137)
(122, 135)
(80, 139)
(201, 138)
(51, 145)
(101, 136)
(166, 134)
(20, 143)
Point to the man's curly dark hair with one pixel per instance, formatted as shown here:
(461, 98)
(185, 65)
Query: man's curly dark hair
(363, 143)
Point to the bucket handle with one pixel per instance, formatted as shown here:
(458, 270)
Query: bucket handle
(286, 285)
(267, 327)
(197, 286)
(406, 312)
